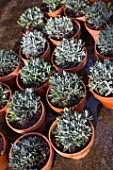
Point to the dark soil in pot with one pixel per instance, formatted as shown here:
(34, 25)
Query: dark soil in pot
(75, 15)
(1, 145)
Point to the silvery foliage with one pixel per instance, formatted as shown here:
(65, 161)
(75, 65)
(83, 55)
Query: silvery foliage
(101, 78)
(65, 89)
(35, 72)
(32, 17)
(76, 7)
(70, 53)
(33, 44)
(59, 27)
(98, 14)
(28, 153)
(8, 62)
(53, 5)
(105, 41)
(23, 106)
(4, 96)
(73, 130)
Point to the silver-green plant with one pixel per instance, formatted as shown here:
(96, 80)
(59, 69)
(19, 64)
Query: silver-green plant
(66, 89)
(29, 153)
(58, 28)
(98, 14)
(32, 17)
(8, 62)
(52, 5)
(4, 96)
(73, 130)
(35, 73)
(23, 107)
(70, 53)
(101, 78)
(33, 44)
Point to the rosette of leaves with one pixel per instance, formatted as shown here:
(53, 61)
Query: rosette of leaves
(101, 78)
(105, 41)
(4, 95)
(33, 44)
(69, 53)
(53, 5)
(35, 73)
(32, 17)
(8, 62)
(60, 27)
(76, 8)
(23, 107)
(31, 152)
(73, 130)
(66, 89)
(98, 14)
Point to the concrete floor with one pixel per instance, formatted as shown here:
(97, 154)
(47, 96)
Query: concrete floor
(101, 154)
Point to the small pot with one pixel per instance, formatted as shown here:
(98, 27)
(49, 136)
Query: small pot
(78, 107)
(4, 156)
(3, 110)
(100, 56)
(93, 33)
(77, 155)
(54, 14)
(76, 35)
(48, 165)
(77, 69)
(45, 55)
(39, 126)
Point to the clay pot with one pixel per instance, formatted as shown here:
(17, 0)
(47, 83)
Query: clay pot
(100, 56)
(54, 14)
(39, 90)
(76, 35)
(78, 107)
(77, 69)
(4, 156)
(48, 165)
(3, 110)
(93, 33)
(77, 155)
(39, 126)
(45, 55)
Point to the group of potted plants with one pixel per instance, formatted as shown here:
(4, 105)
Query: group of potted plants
(51, 37)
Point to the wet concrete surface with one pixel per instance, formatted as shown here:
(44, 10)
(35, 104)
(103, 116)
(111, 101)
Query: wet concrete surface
(101, 155)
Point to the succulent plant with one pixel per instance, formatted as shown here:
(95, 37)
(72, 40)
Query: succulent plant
(8, 62)
(65, 89)
(4, 96)
(98, 14)
(69, 53)
(35, 73)
(76, 7)
(101, 78)
(105, 41)
(60, 27)
(52, 5)
(31, 152)
(23, 107)
(73, 130)
(1, 145)
(33, 44)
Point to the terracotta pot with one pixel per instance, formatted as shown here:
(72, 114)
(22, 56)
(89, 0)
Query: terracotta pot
(45, 55)
(48, 165)
(76, 69)
(39, 91)
(4, 156)
(76, 35)
(3, 110)
(93, 33)
(100, 56)
(39, 126)
(54, 14)
(78, 107)
(77, 155)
